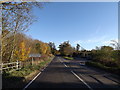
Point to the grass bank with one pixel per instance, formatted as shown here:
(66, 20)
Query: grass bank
(115, 70)
(69, 58)
(18, 79)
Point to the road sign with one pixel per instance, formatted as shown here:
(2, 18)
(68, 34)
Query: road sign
(34, 55)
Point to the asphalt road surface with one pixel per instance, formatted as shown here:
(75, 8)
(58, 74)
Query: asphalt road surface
(61, 73)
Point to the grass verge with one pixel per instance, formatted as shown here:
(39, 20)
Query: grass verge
(69, 58)
(115, 70)
(18, 79)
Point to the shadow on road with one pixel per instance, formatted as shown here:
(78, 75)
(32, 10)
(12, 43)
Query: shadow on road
(69, 85)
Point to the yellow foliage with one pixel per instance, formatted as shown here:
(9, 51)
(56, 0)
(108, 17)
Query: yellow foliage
(44, 48)
(23, 52)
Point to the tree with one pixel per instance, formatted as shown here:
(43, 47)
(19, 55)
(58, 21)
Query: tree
(16, 17)
(22, 53)
(97, 48)
(115, 44)
(53, 48)
(38, 49)
(42, 48)
(66, 49)
(48, 51)
(77, 47)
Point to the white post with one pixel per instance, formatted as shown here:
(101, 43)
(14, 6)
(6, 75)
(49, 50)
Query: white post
(1, 67)
(17, 65)
(20, 64)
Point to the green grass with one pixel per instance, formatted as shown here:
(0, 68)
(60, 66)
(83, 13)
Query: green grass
(29, 69)
(115, 70)
(69, 58)
(19, 77)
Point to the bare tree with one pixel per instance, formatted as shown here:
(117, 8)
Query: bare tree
(16, 17)
(115, 44)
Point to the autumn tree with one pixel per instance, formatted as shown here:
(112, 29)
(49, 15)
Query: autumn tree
(16, 17)
(45, 48)
(41, 47)
(23, 52)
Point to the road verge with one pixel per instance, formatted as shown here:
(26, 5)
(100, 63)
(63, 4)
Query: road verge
(22, 77)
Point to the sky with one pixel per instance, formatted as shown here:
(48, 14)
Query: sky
(89, 24)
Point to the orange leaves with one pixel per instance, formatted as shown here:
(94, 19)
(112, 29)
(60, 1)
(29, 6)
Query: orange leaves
(22, 53)
(43, 48)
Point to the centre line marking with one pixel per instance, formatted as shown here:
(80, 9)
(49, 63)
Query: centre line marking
(65, 65)
(81, 80)
(77, 76)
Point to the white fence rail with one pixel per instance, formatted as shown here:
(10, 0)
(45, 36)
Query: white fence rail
(10, 66)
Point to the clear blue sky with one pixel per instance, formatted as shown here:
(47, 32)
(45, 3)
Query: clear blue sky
(90, 24)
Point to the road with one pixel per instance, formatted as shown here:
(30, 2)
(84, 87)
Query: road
(61, 73)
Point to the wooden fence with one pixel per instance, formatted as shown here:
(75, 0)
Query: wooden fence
(10, 66)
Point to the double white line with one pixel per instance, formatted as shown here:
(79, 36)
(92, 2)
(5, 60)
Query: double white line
(77, 76)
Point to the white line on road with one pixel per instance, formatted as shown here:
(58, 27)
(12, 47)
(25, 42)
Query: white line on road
(31, 81)
(35, 77)
(81, 80)
(60, 60)
(77, 76)
(65, 65)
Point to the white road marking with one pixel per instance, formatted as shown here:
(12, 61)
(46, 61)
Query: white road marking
(32, 81)
(81, 80)
(60, 60)
(65, 65)
(77, 76)
(35, 77)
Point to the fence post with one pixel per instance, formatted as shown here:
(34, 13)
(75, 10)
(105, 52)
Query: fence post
(17, 65)
(20, 64)
(1, 68)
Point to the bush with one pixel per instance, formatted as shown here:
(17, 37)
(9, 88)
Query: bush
(106, 56)
(101, 66)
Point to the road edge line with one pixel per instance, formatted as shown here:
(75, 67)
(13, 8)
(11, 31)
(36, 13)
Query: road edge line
(37, 75)
(31, 81)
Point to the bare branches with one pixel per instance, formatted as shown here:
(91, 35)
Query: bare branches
(16, 17)
(115, 44)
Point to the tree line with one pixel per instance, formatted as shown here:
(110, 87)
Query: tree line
(24, 46)
(15, 45)
(106, 55)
